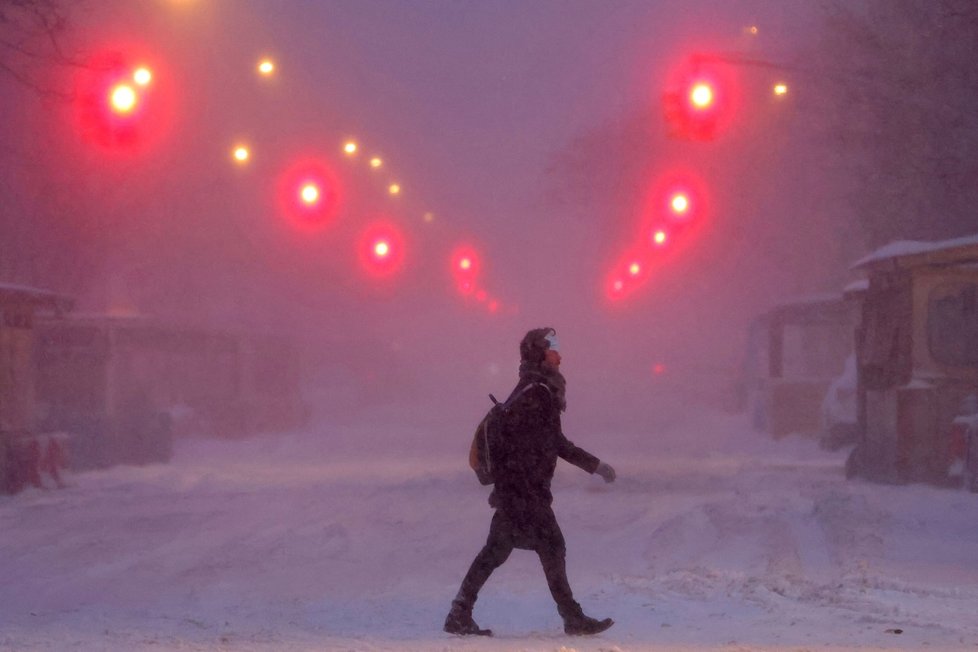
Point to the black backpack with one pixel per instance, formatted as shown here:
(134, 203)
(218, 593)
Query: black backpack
(488, 434)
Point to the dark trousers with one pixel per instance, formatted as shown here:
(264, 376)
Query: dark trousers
(530, 529)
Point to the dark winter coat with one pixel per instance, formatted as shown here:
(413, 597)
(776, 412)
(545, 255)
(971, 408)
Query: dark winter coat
(532, 440)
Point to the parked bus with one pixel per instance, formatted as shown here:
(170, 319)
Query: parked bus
(124, 386)
(796, 351)
(24, 451)
(917, 356)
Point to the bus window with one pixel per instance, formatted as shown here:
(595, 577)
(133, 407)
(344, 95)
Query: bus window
(952, 324)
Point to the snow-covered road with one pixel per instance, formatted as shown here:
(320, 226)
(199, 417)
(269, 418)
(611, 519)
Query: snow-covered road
(287, 544)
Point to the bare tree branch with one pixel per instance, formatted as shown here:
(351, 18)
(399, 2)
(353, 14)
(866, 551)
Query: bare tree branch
(30, 45)
(901, 86)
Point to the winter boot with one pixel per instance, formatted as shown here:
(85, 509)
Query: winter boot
(459, 621)
(581, 625)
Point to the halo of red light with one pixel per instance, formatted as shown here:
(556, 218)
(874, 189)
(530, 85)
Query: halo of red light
(377, 265)
(703, 123)
(130, 132)
(658, 215)
(677, 181)
(631, 271)
(465, 277)
(306, 216)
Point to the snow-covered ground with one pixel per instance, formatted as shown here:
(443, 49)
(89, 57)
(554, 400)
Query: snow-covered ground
(713, 538)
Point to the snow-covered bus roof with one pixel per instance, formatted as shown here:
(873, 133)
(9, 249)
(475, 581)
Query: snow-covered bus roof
(806, 309)
(910, 253)
(855, 287)
(12, 292)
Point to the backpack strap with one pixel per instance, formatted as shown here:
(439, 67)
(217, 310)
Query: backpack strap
(518, 393)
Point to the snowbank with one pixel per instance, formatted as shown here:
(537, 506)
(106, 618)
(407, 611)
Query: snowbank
(713, 538)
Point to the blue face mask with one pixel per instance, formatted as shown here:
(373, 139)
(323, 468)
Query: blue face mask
(552, 340)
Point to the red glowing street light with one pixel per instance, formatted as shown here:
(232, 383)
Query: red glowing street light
(123, 99)
(124, 96)
(118, 104)
(142, 76)
(701, 99)
(381, 250)
(465, 268)
(679, 203)
(308, 194)
(701, 96)
(631, 272)
(616, 288)
(694, 109)
(678, 198)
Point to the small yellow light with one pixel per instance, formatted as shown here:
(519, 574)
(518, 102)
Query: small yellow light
(123, 98)
(350, 147)
(465, 263)
(241, 154)
(142, 76)
(659, 237)
(780, 89)
(394, 189)
(634, 269)
(375, 162)
(382, 249)
(266, 67)
(752, 30)
(429, 217)
(310, 193)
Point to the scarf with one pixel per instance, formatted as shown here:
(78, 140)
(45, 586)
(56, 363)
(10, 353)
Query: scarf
(549, 376)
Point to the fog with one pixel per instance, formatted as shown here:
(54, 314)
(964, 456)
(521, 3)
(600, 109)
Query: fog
(274, 456)
(533, 132)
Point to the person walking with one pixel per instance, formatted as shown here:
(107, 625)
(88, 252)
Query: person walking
(523, 466)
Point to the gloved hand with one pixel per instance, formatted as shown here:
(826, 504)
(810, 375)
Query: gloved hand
(605, 471)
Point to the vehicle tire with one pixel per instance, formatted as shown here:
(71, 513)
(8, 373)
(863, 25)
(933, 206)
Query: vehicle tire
(971, 463)
(854, 463)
